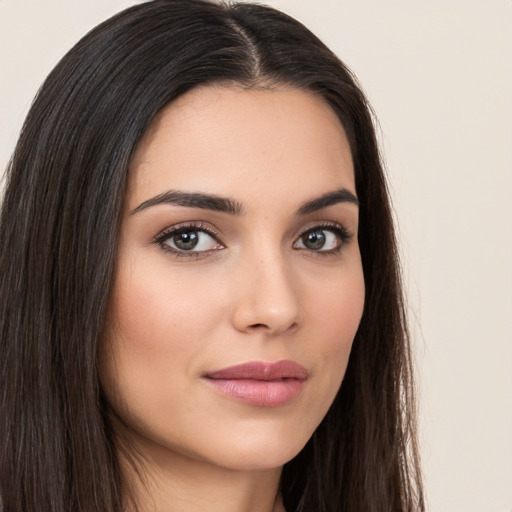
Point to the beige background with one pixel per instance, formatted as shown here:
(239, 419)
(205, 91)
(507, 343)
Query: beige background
(439, 74)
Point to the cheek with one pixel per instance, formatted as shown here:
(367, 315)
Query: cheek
(342, 310)
(336, 314)
(150, 340)
(337, 306)
(156, 313)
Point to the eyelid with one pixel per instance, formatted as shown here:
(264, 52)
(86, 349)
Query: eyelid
(339, 230)
(181, 227)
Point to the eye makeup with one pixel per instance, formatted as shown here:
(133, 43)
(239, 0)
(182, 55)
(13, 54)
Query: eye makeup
(189, 239)
(198, 239)
(323, 239)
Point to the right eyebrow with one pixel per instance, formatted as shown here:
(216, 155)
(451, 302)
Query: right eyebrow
(193, 200)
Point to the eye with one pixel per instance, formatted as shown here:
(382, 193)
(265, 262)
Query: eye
(191, 240)
(323, 239)
(188, 239)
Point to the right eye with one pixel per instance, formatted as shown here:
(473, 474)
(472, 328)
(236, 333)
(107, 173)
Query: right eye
(188, 241)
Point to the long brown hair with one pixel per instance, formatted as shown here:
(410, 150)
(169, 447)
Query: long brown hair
(58, 234)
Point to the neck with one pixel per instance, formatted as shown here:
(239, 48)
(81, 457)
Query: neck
(172, 482)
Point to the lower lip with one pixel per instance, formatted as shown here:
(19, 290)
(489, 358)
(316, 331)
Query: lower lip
(259, 392)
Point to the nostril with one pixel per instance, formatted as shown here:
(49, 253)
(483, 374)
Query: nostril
(270, 329)
(258, 326)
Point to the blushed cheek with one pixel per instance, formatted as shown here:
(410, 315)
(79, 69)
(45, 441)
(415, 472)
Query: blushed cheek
(157, 316)
(341, 311)
(343, 303)
(139, 355)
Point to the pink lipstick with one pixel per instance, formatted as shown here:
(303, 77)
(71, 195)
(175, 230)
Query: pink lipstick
(260, 383)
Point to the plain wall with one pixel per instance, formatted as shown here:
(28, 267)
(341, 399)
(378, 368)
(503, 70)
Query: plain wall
(439, 75)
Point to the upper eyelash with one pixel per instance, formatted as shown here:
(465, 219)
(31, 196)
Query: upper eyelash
(340, 230)
(159, 239)
(174, 230)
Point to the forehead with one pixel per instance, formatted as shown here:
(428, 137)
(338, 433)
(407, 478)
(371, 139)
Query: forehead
(252, 144)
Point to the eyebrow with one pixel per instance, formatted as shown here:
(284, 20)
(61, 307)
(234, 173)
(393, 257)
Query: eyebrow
(193, 200)
(233, 207)
(341, 195)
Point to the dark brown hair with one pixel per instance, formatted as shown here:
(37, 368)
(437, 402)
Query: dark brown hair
(58, 234)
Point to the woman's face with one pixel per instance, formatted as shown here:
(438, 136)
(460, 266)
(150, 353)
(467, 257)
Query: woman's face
(239, 285)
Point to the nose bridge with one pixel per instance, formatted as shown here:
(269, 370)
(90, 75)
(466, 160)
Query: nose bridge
(267, 298)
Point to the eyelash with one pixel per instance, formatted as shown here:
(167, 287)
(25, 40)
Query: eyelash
(161, 238)
(341, 233)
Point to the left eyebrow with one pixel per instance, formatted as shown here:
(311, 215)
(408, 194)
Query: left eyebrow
(337, 196)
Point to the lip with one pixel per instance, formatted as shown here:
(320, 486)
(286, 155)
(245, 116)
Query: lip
(259, 383)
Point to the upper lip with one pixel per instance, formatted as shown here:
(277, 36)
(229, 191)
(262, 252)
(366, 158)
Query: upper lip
(261, 370)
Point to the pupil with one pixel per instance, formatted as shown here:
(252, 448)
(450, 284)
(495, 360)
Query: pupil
(314, 239)
(186, 241)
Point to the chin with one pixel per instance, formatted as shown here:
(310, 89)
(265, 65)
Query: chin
(257, 450)
(251, 445)
(263, 459)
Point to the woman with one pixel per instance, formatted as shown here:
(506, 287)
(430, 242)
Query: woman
(196, 235)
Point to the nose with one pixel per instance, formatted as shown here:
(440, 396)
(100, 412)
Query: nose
(267, 300)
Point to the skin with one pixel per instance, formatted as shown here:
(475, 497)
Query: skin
(254, 292)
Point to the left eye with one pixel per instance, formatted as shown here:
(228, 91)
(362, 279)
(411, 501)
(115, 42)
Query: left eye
(191, 240)
(319, 239)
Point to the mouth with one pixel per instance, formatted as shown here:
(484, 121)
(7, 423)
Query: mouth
(260, 383)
